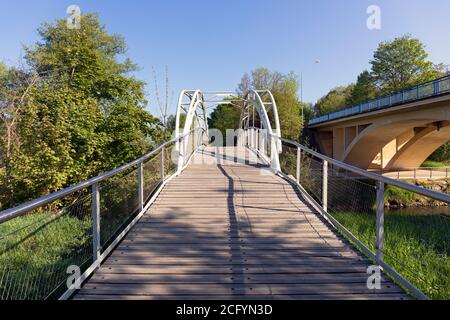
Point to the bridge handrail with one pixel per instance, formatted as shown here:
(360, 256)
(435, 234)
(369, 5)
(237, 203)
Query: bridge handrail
(356, 208)
(371, 175)
(26, 207)
(389, 100)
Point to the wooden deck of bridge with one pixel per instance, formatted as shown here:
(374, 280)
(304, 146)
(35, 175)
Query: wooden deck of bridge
(230, 230)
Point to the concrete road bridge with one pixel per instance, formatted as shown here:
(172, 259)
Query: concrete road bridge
(264, 218)
(395, 132)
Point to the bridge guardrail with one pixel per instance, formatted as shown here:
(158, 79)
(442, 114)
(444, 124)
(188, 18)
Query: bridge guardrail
(48, 246)
(418, 173)
(411, 248)
(423, 90)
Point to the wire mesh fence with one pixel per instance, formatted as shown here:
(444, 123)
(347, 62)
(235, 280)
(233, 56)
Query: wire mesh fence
(152, 175)
(351, 200)
(119, 203)
(416, 240)
(40, 249)
(36, 249)
(311, 175)
(170, 160)
(288, 160)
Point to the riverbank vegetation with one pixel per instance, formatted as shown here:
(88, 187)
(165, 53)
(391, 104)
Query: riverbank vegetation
(73, 110)
(416, 245)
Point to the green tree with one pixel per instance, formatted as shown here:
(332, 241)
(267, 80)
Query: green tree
(284, 88)
(334, 100)
(223, 117)
(363, 90)
(3, 72)
(78, 113)
(401, 63)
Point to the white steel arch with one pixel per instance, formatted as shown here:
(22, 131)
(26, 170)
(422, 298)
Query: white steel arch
(191, 103)
(263, 102)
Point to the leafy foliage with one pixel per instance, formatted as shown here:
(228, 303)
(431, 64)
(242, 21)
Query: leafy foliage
(396, 65)
(75, 113)
(363, 90)
(284, 88)
(401, 63)
(334, 100)
(223, 117)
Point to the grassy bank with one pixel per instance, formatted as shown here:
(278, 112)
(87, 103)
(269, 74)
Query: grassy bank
(35, 251)
(416, 245)
(396, 197)
(435, 164)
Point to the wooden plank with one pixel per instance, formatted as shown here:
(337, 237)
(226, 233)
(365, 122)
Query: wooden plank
(359, 296)
(229, 279)
(231, 289)
(177, 269)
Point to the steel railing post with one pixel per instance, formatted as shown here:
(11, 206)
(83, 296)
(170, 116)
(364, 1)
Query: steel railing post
(299, 162)
(379, 245)
(258, 139)
(162, 165)
(141, 185)
(325, 186)
(183, 150)
(96, 222)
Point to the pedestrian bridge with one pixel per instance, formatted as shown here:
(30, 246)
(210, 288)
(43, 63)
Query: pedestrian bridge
(264, 218)
(232, 230)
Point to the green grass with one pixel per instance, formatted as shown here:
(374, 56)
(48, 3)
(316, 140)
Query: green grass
(35, 251)
(435, 164)
(416, 245)
(399, 195)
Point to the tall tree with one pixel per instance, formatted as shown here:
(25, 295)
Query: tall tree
(223, 117)
(80, 111)
(334, 100)
(363, 90)
(401, 63)
(284, 89)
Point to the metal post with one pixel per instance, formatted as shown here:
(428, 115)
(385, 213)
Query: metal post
(325, 186)
(379, 245)
(183, 150)
(141, 185)
(299, 159)
(96, 221)
(162, 165)
(415, 173)
(446, 172)
(258, 142)
(431, 173)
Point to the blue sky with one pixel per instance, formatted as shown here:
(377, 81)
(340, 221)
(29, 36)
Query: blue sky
(209, 45)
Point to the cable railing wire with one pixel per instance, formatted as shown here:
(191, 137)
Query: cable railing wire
(42, 240)
(414, 248)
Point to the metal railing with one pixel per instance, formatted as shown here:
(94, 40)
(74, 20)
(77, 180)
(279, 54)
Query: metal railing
(418, 173)
(423, 90)
(50, 245)
(412, 249)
